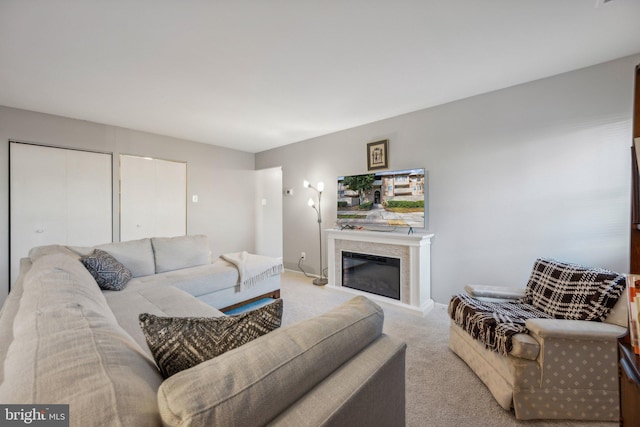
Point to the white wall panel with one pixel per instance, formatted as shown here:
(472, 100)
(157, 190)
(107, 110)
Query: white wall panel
(268, 208)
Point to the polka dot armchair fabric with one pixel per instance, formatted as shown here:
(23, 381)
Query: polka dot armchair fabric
(560, 369)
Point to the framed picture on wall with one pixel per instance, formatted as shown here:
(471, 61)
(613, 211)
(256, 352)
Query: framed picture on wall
(378, 155)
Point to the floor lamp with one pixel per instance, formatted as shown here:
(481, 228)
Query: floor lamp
(320, 281)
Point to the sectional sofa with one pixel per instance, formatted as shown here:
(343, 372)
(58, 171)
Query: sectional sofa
(63, 340)
(184, 262)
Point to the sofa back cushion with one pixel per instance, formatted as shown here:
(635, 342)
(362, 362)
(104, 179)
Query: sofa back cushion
(68, 348)
(253, 384)
(136, 255)
(174, 253)
(574, 292)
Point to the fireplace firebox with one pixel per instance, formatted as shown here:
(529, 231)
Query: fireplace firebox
(375, 274)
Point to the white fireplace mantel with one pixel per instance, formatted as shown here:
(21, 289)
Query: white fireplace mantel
(413, 250)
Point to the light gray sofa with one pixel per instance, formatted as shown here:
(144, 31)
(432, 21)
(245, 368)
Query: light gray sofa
(183, 262)
(64, 341)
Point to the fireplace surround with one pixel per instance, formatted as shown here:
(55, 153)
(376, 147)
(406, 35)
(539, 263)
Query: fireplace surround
(413, 251)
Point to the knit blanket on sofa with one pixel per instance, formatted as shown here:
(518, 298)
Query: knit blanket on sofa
(253, 268)
(492, 323)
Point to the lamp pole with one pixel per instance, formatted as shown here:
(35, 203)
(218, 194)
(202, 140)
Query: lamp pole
(320, 281)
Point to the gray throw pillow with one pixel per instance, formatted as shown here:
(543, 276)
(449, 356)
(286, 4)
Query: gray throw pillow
(178, 343)
(109, 273)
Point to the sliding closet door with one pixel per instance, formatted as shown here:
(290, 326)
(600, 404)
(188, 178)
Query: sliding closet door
(153, 198)
(57, 196)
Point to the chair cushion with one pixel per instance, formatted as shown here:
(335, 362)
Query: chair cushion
(574, 292)
(493, 322)
(178, 343)
(174, 253)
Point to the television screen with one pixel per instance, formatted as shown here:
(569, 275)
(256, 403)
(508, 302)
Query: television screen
(382, 200)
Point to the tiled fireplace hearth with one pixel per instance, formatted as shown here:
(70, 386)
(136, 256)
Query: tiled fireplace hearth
(413, 251)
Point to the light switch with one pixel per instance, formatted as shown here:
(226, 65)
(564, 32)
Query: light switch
(264, 202)
(194, 198)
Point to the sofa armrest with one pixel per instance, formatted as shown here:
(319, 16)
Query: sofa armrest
(501, 292)
(252, 384)
(577, 354)
(574, 329)
(368, 390)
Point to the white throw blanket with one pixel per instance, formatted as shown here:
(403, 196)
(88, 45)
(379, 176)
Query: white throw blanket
(253, 268)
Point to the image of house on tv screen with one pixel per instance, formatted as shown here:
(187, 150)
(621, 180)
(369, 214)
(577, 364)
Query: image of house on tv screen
(382, 199)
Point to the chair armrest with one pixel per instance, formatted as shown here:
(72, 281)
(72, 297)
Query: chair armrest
(503, 292)
(574, 329)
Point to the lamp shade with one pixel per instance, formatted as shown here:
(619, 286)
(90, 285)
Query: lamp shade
(321, 186)
(305, 183)
(310, 202)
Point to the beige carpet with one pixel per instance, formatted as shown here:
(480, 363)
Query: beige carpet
(441, 390)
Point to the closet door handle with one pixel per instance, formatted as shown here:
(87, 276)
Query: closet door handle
(40, 230)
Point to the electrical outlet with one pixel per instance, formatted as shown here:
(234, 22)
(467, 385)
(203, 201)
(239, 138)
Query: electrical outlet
(303, 255)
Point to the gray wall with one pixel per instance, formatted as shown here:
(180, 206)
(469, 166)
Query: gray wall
(268, 211)
(539, 169)
(222, 178)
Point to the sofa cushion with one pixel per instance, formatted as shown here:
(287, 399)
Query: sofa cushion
(573, 292)
(178, 343)
(173, 253)
(200, 280)
(270, 373)
(136, 255)
(68, 348)
(161, 300)
(40, 251)
(107, 271)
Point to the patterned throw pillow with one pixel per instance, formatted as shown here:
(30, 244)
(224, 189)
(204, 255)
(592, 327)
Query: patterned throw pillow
(178, 343)
(109, 273)
(574, 292)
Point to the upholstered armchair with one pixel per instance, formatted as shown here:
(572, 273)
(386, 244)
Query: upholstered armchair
(549, 351)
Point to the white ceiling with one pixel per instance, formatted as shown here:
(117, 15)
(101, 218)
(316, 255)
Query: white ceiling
(254, 75)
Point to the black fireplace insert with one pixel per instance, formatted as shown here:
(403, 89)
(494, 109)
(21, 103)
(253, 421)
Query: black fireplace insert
(375, 274)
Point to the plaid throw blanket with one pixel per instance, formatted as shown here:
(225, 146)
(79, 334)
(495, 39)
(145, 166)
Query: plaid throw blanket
(571, 291)
(493, 323)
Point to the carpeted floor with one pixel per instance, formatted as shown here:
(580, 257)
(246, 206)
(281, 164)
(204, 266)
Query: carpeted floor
(441, 390)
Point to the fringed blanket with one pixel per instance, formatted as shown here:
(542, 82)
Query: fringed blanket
(253, 268)
(492, 323)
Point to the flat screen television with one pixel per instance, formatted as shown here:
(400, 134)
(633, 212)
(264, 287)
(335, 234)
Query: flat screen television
(383, 200)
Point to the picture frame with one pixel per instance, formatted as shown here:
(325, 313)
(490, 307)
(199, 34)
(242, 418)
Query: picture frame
(378, 155)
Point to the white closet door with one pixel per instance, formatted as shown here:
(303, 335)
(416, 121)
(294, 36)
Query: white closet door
(153, 198)
(58, 196)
